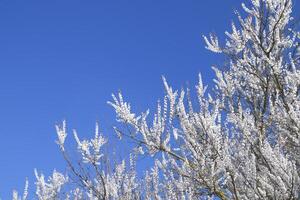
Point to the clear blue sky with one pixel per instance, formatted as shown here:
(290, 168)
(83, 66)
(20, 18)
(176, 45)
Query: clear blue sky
(62, 60)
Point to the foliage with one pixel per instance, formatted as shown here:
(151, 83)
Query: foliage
(241, 142)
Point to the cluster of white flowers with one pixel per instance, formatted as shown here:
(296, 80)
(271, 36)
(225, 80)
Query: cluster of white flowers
(242, 142)
(25, 193)
(90, 149)
(49, 190)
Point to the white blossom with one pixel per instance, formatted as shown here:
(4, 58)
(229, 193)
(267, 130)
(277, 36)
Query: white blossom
(241, 141)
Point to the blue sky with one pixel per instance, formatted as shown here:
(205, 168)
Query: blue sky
(63, 59)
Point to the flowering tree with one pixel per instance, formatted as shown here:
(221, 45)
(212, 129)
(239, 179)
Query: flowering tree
(242, 141)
